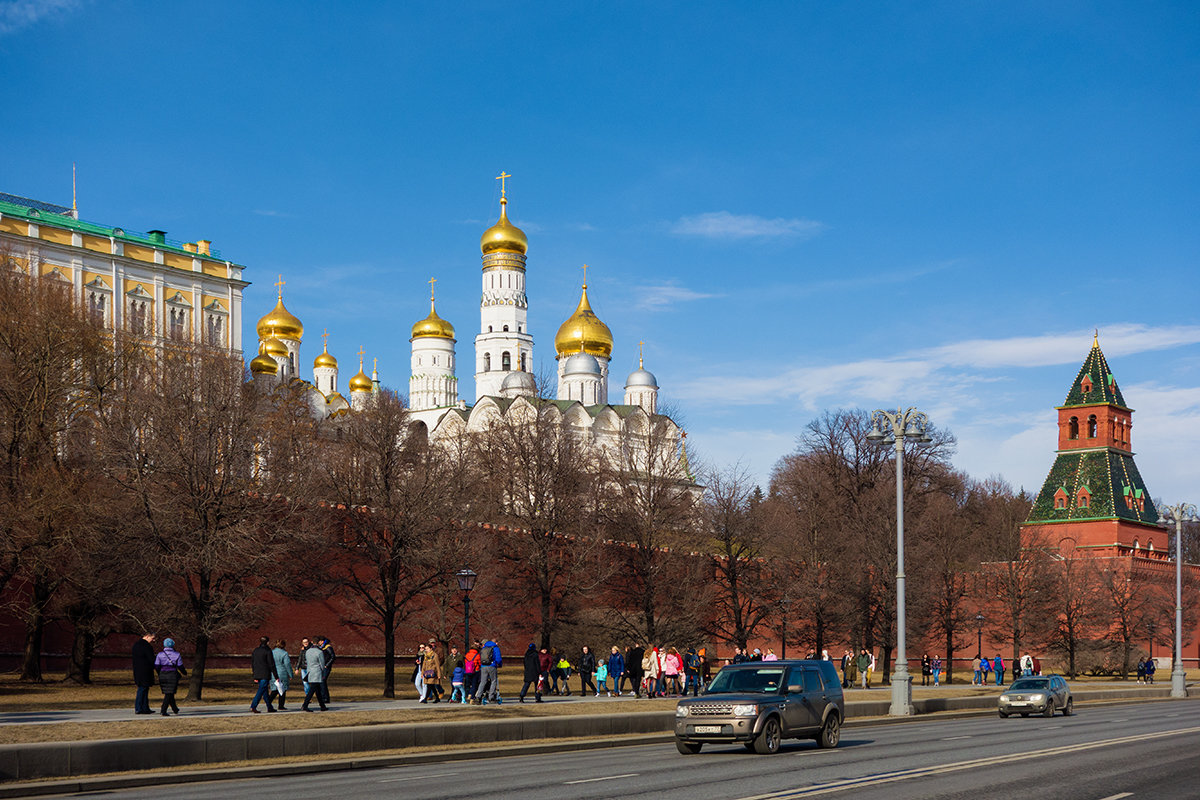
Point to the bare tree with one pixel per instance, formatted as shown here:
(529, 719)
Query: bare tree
(393, 504)
(190, 445)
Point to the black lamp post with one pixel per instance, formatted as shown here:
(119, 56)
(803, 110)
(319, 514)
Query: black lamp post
(466, 582)
(979, 624)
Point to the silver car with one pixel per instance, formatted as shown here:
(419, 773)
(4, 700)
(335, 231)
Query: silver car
(761, 703)
(1042, 694)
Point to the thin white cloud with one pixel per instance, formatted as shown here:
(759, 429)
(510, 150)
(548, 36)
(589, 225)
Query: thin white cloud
(16, 15)
(724, 225)
(661, 296)
(1062, 348)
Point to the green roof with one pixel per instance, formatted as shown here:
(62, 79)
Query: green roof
(1116, 489)
(44, 214)
(1096, 376)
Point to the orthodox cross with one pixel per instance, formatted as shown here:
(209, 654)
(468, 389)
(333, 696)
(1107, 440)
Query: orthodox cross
(432, 281)
(279, 284)
(585, 276)
(325, 339)
(361, 352)
(640, 354)
(503, 176)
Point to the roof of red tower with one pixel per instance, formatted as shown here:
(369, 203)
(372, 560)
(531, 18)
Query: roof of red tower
(1097, 379)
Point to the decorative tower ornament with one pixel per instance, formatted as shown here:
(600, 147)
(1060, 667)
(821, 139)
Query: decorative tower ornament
(360, 385)
(503, 306)
(325, 369)
(432, 382)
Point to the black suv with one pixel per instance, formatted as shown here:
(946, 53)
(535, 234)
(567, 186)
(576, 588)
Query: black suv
(761, 703)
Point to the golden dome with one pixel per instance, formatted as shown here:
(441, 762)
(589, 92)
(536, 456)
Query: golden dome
(584, 328)
(360, 382)
(273, 347)
(503, 237)
(433, 325)
(325, 360)
(263, 364)
(281, 323)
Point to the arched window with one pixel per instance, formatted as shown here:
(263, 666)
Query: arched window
(1083, 501)
(506, 329)
(1092, 426)
(506, 361)
(487, 362)
(1073, 428)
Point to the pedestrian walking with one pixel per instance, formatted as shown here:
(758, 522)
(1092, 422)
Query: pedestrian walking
(262, 665)
(431, 671)
(283, 672)
(691, 671)
(864, 668)
(986, 666)
(490, 662)
(302, 665)
(1150, 668)
(143, 672)
(977, 665)
(926, 669)
(169, 666)
(587, 672)
(532, 663)
(471, 671)
(998, 665)
(633, 667)
(936, 666)
(616, 668)
(314, 659)
(330, 656)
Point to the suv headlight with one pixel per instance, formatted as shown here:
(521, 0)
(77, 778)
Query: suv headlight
(681, 711)
(1038, 698)
(745, 711)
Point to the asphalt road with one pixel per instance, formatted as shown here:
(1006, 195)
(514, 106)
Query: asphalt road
(1146, 750)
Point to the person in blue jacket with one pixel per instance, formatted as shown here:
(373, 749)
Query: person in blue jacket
(616, 668)
(490, 661)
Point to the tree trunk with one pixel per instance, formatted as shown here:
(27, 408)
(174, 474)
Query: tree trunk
(389, 654)
(196, 683)
(35, 628)
(79, 668)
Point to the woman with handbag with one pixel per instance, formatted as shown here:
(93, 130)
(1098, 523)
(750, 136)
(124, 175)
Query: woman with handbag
(431, 671)
(169, 666)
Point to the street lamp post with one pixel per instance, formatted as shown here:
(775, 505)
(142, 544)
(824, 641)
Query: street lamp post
(979, 625)
(1180, 513)
(466, 582)
(897, 427)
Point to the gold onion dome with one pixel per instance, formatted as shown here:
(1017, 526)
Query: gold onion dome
(360, 382)
(433, 325)
(584, 330)
(503, 237)
(325, 360)
(281, 322)
(263, 364)
(273, 347)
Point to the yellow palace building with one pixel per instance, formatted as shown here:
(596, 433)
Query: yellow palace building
(144, 283)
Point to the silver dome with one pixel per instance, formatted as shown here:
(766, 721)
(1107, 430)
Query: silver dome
(582, 364)
(519, 381)
(641, 377)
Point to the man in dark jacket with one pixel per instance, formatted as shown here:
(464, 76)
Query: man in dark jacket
(587, 668)
(330, 657)
(143, 672)
(262, 662)
(633, 666)
(533, 672)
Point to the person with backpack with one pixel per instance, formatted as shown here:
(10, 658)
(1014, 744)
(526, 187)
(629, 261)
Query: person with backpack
(986, 667)
(691, 671)
(1150, 667)
(998, 664)
(490, 661)
(471, 672)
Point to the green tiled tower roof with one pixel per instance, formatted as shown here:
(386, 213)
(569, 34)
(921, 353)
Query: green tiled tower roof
(1099, 378)
(1114, 485)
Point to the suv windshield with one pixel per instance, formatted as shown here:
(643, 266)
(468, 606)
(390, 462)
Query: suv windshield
(1028, 685)
(747, 681)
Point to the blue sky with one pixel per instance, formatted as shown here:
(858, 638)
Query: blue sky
(797, 206)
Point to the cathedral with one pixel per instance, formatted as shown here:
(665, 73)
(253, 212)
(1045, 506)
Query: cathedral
(502, 364)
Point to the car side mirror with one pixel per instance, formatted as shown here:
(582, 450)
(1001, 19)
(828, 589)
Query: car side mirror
(795, 688)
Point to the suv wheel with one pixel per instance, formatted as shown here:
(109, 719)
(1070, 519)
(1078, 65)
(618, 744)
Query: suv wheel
(831, 731)
(769, 740)
(1049, 712)
(1069, 708)
(687, 748)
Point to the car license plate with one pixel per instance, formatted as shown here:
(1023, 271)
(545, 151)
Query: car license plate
(708, 729)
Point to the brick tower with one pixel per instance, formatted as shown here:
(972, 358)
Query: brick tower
(1094, 498)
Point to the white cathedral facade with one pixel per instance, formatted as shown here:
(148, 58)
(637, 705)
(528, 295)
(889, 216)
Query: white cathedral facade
(502, 359)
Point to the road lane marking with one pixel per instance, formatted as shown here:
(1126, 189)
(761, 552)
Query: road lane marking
(1117, 796)
(952, 738)
(937, 769)
(417, 777)
(606, 778)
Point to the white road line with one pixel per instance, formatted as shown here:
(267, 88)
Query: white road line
(936, 769)
(952, 738)
(1117, 796)
(607, 778)
(417, 777)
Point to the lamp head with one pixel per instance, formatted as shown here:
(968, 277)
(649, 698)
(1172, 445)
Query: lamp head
(875, 435)
(466, 579)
